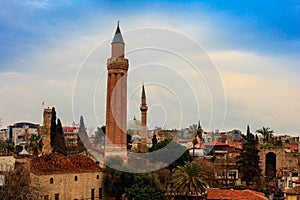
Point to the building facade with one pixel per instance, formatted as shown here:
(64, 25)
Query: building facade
(19, 133)
(67, 178)
(71, 137)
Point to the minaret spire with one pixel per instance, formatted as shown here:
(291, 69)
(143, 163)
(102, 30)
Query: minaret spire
(143, 108)
(118, 36)
(143, 132)
(143, 92)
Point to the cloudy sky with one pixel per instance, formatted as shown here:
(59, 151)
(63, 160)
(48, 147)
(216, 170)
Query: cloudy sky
(227, 63)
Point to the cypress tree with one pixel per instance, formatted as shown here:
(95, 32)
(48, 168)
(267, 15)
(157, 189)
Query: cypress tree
(248, 161)
(154, 140)
(248, 131)
(83, 139)
(53, 128)
(60, 145)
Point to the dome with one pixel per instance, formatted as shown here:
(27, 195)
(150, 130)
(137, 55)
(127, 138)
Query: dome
(134, 125)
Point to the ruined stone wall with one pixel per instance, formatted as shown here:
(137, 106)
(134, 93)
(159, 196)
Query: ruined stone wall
(284, 161)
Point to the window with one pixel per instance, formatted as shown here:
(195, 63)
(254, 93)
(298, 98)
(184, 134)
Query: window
(76, 178)
(92, 194)
(97, 176)
(46, 197)
(51, 181)
(56, 197)
(295, 174)
(100, 193)
(290, 184)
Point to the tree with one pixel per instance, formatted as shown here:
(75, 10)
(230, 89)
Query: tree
(189, 180)
(83, 139)
(60, 144)
(99, 136)
(35, 145)
(53, 128)
(117, 183)
(143, 192)
(129, 139)
(17, 186)
(154, 140)
(248, 131)
(248, 161)
(145, 187)
(168, 154)
(267, 133)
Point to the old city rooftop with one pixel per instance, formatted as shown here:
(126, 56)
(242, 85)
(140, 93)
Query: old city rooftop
(215, 194)
(57, 163)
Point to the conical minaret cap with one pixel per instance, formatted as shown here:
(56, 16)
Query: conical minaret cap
(143, 92)
(118, 36)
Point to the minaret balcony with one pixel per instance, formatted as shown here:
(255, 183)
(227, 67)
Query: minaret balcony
(117, 60)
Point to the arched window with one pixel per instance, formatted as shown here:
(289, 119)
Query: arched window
(97, 176)
(76, 178)
(51, 180)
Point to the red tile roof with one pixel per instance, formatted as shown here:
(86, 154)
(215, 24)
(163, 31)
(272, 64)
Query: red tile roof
(218, 194)
(57, 163)
(293, 148)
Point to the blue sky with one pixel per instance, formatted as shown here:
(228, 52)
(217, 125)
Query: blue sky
(254, 44)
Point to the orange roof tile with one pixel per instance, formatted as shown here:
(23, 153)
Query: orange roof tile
(216, 194)
(58, 163)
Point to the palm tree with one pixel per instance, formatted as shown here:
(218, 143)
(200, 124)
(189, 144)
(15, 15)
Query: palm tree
(189, 180)
(35, 145)
(267, 133)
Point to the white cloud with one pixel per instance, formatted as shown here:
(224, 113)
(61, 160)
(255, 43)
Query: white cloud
(261, 90)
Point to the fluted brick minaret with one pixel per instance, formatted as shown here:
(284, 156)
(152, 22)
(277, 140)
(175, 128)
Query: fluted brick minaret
(116, 102)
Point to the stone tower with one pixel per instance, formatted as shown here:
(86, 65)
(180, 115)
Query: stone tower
(116, 102)
(45, 131)
(143, 131)
(143, 109)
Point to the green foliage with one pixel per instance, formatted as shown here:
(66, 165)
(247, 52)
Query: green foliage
(99, 136)
(117, 183)
(248, 161)
(82, 136)
(267, 134)
(7, 146)
(53, 127)
(189, 179)
(59, 140)
(154, 140)
(278, 143)
(143, 192)
(17, 186)
(172, 151)
(35, 145)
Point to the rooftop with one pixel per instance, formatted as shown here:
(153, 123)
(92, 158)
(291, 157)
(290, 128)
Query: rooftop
(215, 194)
(58, 163)
(295, 190)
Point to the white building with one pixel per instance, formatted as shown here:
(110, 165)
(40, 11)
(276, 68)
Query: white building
(20, 133)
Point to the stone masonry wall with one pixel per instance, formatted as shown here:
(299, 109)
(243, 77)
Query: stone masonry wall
(67, 187)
